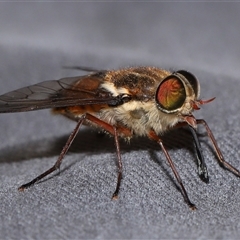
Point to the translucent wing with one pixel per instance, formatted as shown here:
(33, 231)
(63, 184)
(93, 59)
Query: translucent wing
(58, 93)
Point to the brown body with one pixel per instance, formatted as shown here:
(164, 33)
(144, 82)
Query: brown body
(140, 114)
(142, 101)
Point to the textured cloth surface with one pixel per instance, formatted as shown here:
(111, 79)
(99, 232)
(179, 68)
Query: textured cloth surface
(37, 40)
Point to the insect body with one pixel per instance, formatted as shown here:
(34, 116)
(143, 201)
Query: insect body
(141, 101)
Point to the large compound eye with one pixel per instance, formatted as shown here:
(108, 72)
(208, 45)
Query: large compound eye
(192, 80)
(170, 94)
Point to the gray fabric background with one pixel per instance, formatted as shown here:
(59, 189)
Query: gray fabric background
(36, 40)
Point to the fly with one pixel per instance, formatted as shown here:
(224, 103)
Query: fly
(136, 101)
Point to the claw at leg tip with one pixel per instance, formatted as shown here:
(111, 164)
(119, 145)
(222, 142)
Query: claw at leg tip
(193, 207)
(21, 189)
(115, 197)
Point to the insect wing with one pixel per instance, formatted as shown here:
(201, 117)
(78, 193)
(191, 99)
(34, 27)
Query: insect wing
(57, 93)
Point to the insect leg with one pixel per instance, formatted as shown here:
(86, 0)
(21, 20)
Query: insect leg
(60, 158)
(115, 194)
(221, 159)
(114, 131)
(202, 167)
(111, 129)
(153, 136)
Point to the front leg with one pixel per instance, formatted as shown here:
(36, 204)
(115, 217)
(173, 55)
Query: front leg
(221, 159)
(202, 167)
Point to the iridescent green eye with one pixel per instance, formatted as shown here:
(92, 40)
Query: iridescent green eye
(170, 94)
